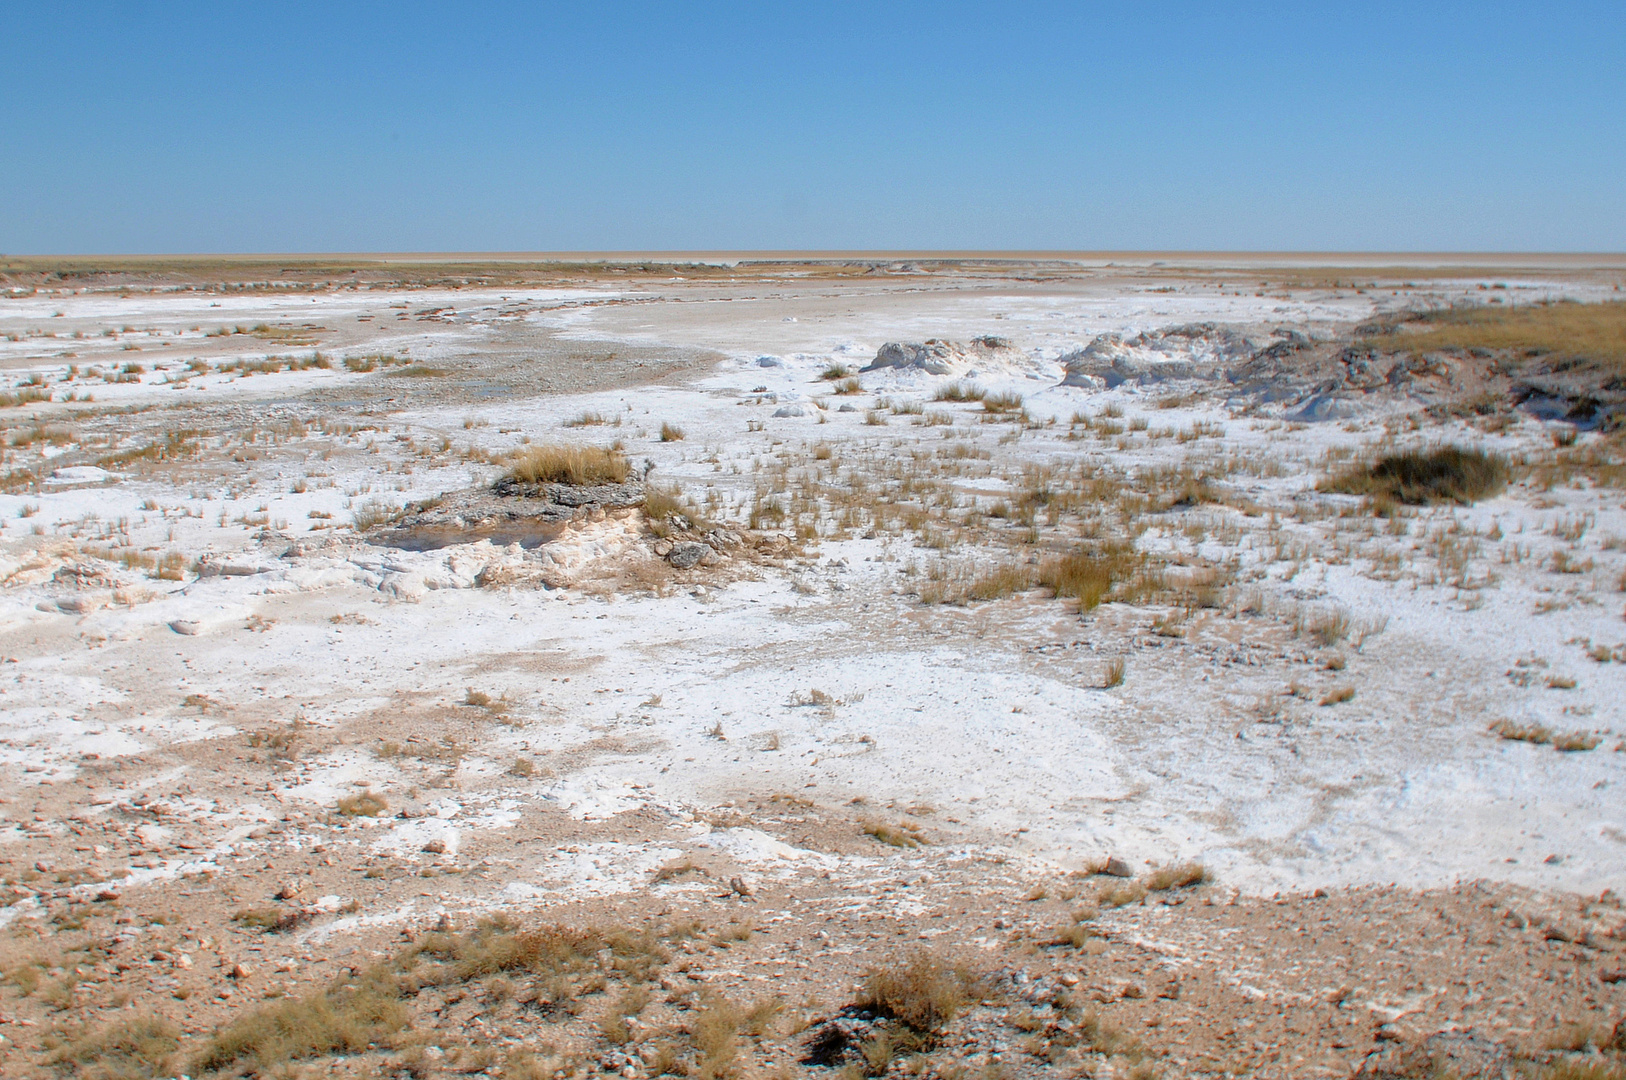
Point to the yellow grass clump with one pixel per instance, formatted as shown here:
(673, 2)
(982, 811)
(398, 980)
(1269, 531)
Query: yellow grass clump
(578, 465)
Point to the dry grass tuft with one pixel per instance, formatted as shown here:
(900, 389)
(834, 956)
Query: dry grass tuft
(1530, 733)
(960, 391)
(715, 1033)
(924, 993)
(1116, 668)
(132, 1049)
(1089, 576)
(1443, 474)
(578, 465)
(1118, 894)
(1002, 403)
(1179, 876)
(366, 804)
(344, 1019)
(902, 835)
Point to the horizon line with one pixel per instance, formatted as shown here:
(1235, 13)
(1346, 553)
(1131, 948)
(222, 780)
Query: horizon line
(811, 255)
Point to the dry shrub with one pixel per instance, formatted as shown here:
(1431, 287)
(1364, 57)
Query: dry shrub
(1002, 403)
(1574, 741)
(126, 1050)
(923, 993)
(578, 465)
(671, 433)
(1116, 668)
(1443, 474)
(1178, 876)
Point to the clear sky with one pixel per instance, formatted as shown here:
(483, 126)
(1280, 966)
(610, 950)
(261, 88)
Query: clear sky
(338, 126)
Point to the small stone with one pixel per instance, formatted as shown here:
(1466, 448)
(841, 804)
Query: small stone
(1118, 868)
(240, 971)
(434, 847)
(688, 554)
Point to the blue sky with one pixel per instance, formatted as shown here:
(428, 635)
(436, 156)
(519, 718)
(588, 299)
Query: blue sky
(152, 127)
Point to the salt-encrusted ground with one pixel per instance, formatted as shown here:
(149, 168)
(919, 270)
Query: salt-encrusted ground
(203, 654)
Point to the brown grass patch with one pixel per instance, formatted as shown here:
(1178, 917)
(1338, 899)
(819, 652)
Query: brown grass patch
(578, 465)
(1090, 576)
(126, 1050)
(1443, 474)
(1564, 330)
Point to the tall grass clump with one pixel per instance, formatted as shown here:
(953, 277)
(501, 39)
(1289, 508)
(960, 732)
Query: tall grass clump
(960, 391)
(1090, 576)
(578, 465)
(1443, 474)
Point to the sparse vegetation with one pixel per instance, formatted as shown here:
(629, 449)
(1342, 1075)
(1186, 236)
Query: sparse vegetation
(1562, 330)
(671, 432)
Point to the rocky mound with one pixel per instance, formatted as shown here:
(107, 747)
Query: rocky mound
(1196, 350)
(1285, 373)
(937, 357)
(509, 512)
